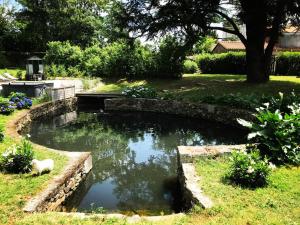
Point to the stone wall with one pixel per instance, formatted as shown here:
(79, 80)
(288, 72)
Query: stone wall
(77, 168)
(189, 180)
(222, 114)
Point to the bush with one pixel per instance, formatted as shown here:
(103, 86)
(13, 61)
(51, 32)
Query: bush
(140, 92)
(190, 66)
(169, 58)
(276, 134)
(17, 159)
(20, 100)
(63, 53)
(6, 107)
(288, 63)
(225, 63)
(249, 169)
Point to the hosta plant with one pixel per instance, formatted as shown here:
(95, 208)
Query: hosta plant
(249, 169)
(276, 134)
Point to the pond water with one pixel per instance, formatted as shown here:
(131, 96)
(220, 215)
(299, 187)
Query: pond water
(134, 156)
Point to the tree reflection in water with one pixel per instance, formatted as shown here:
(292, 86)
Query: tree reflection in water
(134, 155)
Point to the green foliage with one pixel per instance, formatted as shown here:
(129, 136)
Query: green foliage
(20, 100)
(17, 159)
(140, 92)
(170, 58)
(63, 53)
(117, 59)
(19, 74)
(190, 66)
(6, 107)
(276, 134)
(288, 63)
(225, 63)
(204, 45)
(249, 169)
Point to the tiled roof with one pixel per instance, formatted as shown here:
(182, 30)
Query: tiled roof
(232, 45)
(239, 46)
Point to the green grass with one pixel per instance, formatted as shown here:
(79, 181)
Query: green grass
(11, 71)
(278, 203)
(192, 87)
(16, 189)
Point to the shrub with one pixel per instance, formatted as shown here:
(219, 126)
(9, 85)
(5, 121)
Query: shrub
(17, 159)
(169, 59)
(6, 107)
(204, 45)
(249, 169)
(19, 75)
(288, 63)
(190, 66)
(225, 63)
(276, 134)
(63, 53)
(140, 92)
(20, 100)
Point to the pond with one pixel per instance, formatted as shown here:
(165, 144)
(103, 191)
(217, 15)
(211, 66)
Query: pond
(134, 156)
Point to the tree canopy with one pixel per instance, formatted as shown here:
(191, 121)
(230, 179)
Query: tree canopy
(264, 21)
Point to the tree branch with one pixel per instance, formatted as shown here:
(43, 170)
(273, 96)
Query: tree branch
(234, 26)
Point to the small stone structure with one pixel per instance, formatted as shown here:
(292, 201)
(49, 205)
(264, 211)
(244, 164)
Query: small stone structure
(188, 178)
(79, 165)
(222, 114)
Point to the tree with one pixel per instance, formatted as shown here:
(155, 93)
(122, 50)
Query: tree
(264, 20)
(58, 20)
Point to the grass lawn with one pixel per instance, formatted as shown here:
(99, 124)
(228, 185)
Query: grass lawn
(278, 203)
(15, 190)
(11, 71)
(192, 87)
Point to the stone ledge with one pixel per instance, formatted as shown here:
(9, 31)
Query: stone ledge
(223, 114)
(188, 177)
(186, 154)
(79, 164)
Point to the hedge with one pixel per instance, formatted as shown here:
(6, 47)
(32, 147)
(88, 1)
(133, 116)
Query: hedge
(224, 63)
(288, 63)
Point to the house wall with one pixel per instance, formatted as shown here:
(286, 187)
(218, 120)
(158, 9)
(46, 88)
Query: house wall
(289, 40)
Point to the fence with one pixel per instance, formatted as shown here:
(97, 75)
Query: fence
(61, 93)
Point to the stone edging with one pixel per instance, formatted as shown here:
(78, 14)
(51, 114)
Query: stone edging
(222, 114)
(79, 163)
(188, 177)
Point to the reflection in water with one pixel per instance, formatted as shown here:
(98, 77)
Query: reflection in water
(134, 155)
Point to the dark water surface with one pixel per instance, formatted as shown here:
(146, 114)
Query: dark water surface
(134, 156)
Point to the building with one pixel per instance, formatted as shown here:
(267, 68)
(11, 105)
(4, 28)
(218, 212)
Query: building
(288, 41)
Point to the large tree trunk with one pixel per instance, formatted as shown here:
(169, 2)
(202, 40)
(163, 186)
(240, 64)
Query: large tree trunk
(258, 64)
(256, 25)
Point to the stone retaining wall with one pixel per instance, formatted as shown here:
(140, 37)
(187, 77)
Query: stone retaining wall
(224, 114)
(189, 180)
(79, 164)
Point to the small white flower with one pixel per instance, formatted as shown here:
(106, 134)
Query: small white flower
(250, 170)
(28, 135)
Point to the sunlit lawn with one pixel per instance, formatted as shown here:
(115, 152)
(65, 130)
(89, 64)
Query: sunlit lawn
(15, 190)
(278, 203)
(191, 87)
